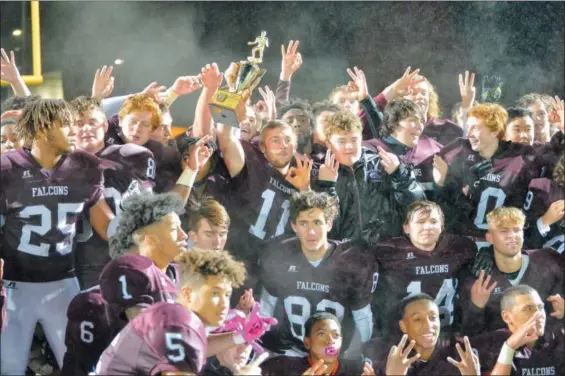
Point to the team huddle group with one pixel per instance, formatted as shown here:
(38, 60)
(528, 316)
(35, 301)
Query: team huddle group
(360, 235)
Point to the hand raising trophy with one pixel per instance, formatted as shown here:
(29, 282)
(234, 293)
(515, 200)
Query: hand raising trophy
(228, 104)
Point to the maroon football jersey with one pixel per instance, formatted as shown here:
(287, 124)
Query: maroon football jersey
(420, 158)
(130, 169)
(407, 270)
(258, 206)
(133, 280)
(546, 358)
(550, 153)
(164, 337)
(541, 269)
(443, 131)
(41, 208)
(288, 365)
(168, 160)
(436, 365)
(343, 282)
(504, 182)
(542, 193)
(87, 334)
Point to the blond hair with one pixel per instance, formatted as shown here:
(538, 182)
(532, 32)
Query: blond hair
(506, 217)
(198, 265)
(494, 117)
(342, 122)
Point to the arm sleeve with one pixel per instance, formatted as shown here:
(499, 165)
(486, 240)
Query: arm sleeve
(112, 105)
(373, 116)
(268, 304)
(282, 93)
(381, 104)
(363, 319)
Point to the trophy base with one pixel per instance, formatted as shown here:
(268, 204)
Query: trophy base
(227, 108)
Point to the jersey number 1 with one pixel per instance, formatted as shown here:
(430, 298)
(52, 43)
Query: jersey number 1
(258, 229)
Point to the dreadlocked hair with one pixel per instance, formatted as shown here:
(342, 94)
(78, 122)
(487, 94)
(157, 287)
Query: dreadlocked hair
(40, 115)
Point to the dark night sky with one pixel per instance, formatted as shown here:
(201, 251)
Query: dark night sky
(523, 42)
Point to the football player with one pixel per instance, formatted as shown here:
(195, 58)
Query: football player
(42, 197)
(323, 340)
(208, 225)
(525, 345)
(535, 104)
(482, 173)
(424, 260)
(130, 169)
(172, 337)
(544, 208)
(420, 322)
(541, 269)
(520, 127)
(147, 239)
(310, 273)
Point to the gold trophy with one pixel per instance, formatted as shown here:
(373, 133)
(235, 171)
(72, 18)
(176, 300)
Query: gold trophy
(228, 104)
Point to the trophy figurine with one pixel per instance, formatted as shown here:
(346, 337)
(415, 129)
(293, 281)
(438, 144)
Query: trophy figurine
(228, 104)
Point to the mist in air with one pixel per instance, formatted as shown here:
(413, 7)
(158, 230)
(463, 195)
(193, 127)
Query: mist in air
(523, 42)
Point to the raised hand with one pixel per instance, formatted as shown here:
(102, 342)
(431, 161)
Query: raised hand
(329, 171)
(318, 368)
(469, 364)
(291, 60)
(559, 108)
(558, 305)
(359, 89)
(408, 80)
(480, 292)
(246, 301)
(467, 89)
(439, 170)
(299, 176)
(390, 161)
(185, 85)
(254, 367)
(397, 362)
(8, 69)
(267, 108)
(200, 153)
(155, 91)
(211, 76)
(554, 213)
(526, 333)
(103, 84)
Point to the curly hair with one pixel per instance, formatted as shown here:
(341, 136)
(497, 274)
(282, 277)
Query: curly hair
(142, 103)
(559, 171)
(338, 89)
(40, 115)
(396, 111)
(84, 103)
(139, 211)
(494, 117)
(303, 201)
(343, 121)
(298, 104)
(198, 265)
(18, 103)
(210, 210)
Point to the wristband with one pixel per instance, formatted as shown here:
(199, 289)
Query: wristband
(171, 97)
(237, 339)
(506, 355)
(187, 177)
